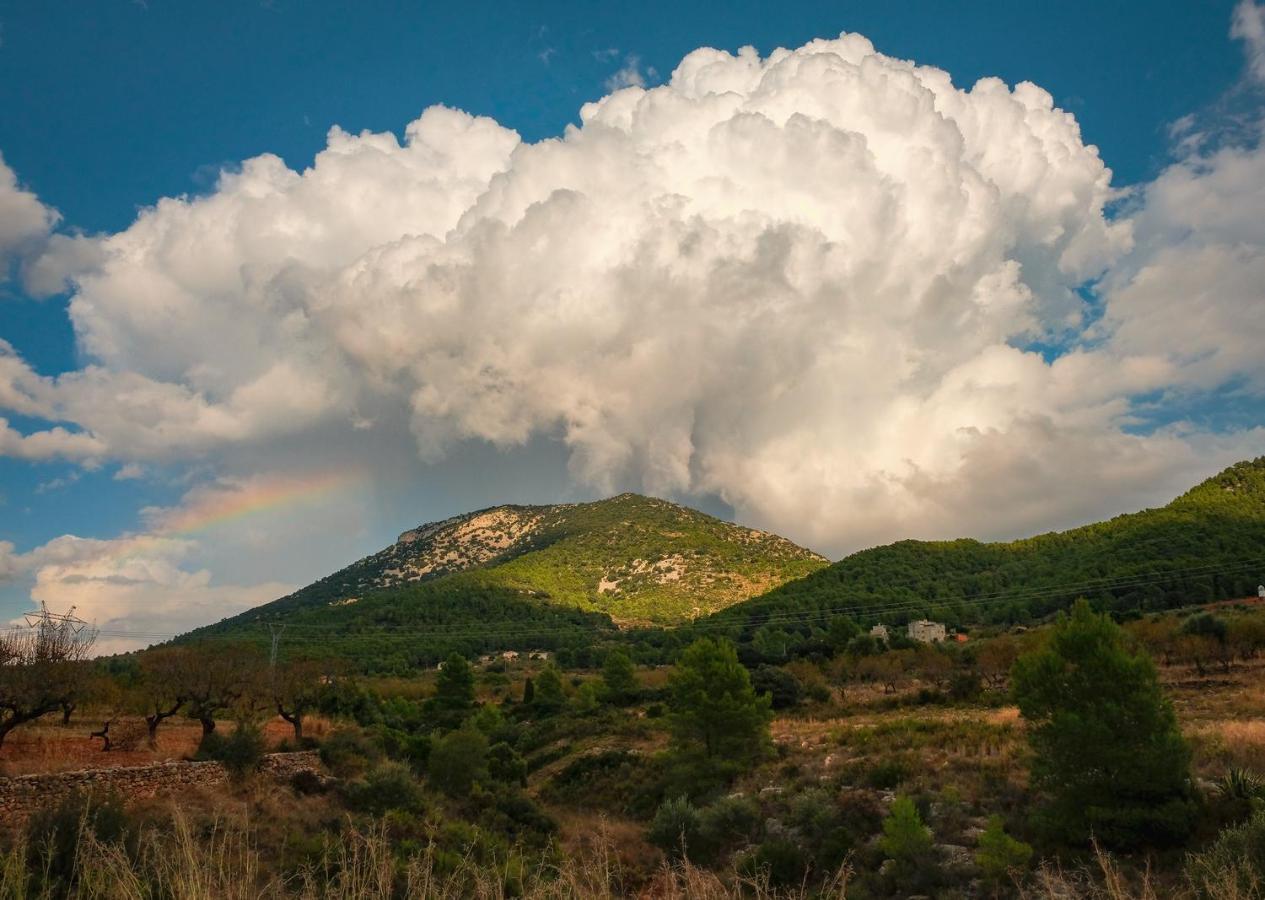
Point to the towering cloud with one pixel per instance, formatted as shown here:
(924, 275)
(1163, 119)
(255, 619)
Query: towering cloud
(829, 286)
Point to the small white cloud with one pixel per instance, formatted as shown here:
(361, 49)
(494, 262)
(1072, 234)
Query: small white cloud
(25, 222)
(630, 75)
(1248, 26)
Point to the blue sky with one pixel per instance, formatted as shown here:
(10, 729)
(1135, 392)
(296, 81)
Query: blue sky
(110, 106)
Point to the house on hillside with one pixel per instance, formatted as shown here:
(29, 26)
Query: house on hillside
(879, 631)
(1260, 591)
(509, 655)
(926, 632)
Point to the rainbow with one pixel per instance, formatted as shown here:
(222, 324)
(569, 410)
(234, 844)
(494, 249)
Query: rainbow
(218, 507)
(231, 502)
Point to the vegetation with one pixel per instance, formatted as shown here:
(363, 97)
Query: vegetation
(545, 575)
(1204, 546)
(711, 760)
(1109, 757)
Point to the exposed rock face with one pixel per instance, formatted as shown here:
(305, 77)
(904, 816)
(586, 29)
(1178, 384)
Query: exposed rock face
(639, 559)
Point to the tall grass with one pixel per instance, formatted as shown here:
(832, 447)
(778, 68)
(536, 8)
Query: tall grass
(221, 862)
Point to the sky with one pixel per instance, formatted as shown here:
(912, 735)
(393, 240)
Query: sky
(279, 281)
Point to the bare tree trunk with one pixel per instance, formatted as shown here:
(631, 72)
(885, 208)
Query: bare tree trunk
(66, 710)
(208, 725)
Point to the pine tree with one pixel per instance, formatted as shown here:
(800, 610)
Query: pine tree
(454, 691)
(713, 709)
(1109, 758)
(619, 679)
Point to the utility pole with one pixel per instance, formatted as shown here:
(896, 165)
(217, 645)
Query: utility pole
(275, 629)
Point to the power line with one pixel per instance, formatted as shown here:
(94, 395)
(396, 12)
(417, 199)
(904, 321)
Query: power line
(789, 617)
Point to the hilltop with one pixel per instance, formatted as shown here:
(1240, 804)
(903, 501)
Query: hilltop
(1208, 544)
(542, 570)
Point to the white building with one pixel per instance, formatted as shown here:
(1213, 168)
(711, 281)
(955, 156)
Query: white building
(1260, 591)
(879, 631)
(926, 632)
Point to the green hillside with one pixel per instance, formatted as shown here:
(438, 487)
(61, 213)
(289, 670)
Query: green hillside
(517, 577)
(1208, 544)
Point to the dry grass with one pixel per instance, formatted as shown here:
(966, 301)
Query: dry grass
(222, 862)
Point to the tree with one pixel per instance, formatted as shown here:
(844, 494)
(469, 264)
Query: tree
(1109, 757)
(994, 659)
(908, 843)
(549, 696)
(160, 693)
(906, 840)
(999, 854)
(215, 679)
(297, 687)
(933, 665)
(42, 669)
(783, 688)
(458, 760)
(713, 708)
(619, 679)
(888, 669)
(454, 688)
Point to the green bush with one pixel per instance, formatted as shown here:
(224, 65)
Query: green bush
(783, 688)
(906, 840)
(1233, 865)
(52, 838)
(619, 678)
(506, 765)
(999, 854)
(387, 786)
(729, 821)
(458, 761)
(240, 752)
(348, 752)
(677, 829)
(779, 860)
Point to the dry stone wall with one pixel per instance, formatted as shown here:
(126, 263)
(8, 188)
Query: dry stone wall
(22, 795)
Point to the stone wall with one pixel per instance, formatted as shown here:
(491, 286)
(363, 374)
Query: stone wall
(22, 795)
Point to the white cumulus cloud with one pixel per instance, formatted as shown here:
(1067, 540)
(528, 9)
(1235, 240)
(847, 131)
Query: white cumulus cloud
(807, 283)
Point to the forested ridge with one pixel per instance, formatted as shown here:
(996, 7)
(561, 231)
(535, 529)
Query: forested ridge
(1208, 544)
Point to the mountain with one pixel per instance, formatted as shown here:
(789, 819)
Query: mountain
(524, 575)
(1208, 544)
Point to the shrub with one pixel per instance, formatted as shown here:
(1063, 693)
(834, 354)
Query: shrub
(818, 819)
(619, 679)
(783, 688)
(907, 842)
(53, 838)
(522, 819)
(387, 786)
(505, 764)
(1238, 793)
(348, 752)
(730, 820)
(240, 752)
(677, 828)
(779, 860)
(1234, 865)
(458, 761)
(999, 854)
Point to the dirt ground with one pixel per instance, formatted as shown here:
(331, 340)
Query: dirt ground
(49, 746)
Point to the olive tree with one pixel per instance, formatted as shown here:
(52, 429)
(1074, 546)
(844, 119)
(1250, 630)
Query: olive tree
(42, 670)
